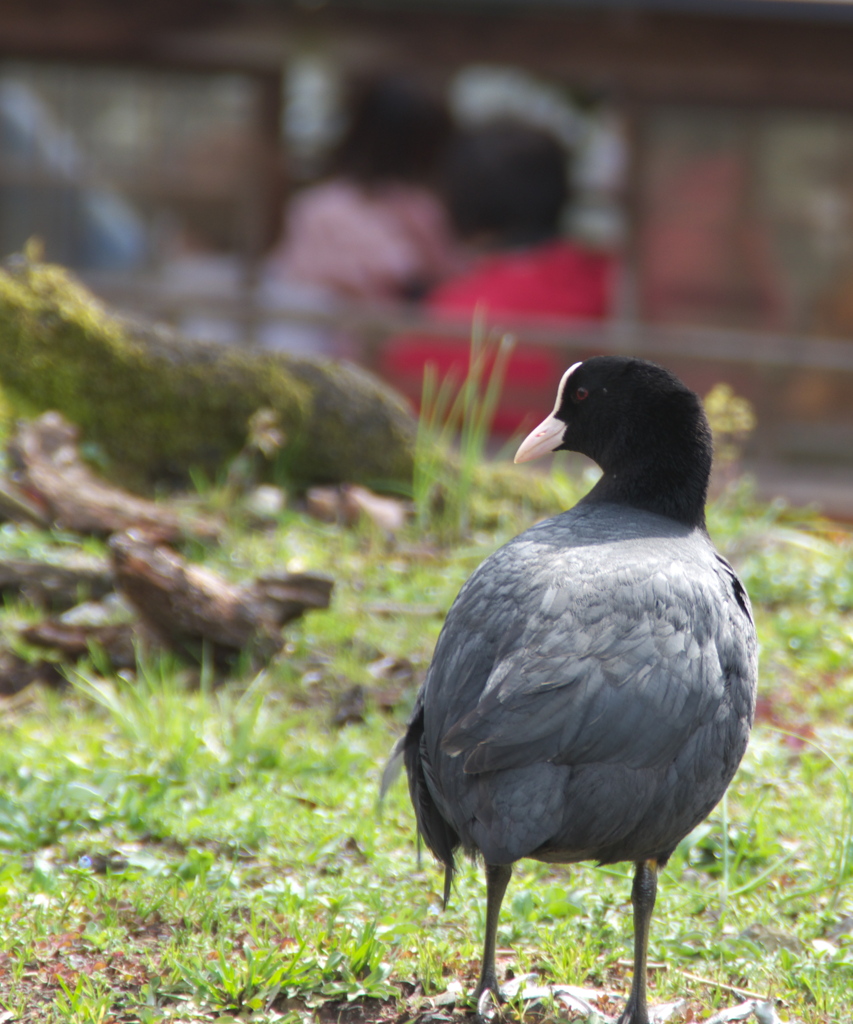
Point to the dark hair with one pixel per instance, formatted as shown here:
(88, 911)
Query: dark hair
(397, 130)
(508, 180)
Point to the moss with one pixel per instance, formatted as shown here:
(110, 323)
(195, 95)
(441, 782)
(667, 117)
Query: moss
(158, 404)
(355, 421)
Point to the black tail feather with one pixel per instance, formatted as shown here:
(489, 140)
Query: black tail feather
(448, 882)
(437, 832)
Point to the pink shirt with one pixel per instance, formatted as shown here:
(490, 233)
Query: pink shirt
(365, 244)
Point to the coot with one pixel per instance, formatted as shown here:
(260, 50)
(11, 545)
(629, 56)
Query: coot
(592, 690)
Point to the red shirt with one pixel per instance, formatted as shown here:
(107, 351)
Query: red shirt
(557, 279)
(552, 281)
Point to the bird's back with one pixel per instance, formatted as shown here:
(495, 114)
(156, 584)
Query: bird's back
(590, 695)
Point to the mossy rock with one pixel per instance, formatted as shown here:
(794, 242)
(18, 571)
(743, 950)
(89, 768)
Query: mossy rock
(158, 404)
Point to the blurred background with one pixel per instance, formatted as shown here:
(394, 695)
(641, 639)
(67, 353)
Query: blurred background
(157, 148)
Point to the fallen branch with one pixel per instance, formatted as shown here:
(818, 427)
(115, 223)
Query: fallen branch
(347, 504)
(49, 469)
(75, 641)
(16, 674)
(56, 586)
(19, 508)
(734, 989)
(191, 609)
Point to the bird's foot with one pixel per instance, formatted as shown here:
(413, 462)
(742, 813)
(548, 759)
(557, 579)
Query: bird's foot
(629, 1016)
(635, 1012)
(489, 999)
(653, 1015)
(489, 1006)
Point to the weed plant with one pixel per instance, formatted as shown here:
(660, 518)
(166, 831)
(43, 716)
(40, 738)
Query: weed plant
(454, 428)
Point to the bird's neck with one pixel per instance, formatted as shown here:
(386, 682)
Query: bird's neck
(676, 488)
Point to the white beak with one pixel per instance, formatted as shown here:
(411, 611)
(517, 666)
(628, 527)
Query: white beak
(545, 438)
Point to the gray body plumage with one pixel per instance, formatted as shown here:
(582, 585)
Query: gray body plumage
(590, 695)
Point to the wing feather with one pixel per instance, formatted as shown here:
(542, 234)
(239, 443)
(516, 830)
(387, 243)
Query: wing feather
(556, 685)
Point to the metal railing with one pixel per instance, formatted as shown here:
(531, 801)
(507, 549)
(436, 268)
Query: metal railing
(377, 323)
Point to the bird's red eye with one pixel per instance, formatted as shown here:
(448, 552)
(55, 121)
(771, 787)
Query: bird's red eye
(581, 394)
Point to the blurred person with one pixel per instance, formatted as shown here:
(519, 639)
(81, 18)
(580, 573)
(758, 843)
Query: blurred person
(375, 229)
(82, 220)
(201, 269)
(507, 188)
(205, 270)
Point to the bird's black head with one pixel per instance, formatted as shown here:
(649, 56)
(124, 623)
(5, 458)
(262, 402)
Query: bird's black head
(645, 429)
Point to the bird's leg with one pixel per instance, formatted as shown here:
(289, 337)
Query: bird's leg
(497, 879)
(643, 894)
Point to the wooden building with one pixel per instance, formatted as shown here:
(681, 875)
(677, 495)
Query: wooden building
(129, 129)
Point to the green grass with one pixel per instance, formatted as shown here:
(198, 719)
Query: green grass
(456, 417)
(175, 850)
